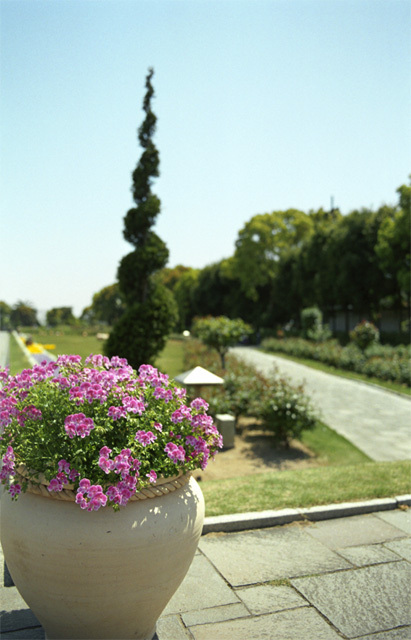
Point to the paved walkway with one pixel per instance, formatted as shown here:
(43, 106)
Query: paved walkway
(377, 421)
(332, 579)
(4, 348)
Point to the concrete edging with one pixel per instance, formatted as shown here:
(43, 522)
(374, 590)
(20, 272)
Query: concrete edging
(259, 519)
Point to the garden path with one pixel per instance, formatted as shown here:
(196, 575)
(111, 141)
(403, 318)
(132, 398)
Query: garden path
(377, 421)
(4, 348)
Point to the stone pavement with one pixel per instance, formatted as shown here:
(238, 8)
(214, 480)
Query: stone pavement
(330, 579)
(4, 348)
(377, 421)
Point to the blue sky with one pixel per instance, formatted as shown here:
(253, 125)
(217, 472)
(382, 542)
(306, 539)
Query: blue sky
(262, 105)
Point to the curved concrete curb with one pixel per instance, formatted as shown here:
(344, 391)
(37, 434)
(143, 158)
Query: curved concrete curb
(260, 519)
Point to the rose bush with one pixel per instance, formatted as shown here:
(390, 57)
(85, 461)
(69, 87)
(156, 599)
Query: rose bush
(99, 428)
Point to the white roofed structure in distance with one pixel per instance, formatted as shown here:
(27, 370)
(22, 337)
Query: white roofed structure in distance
(198, 376)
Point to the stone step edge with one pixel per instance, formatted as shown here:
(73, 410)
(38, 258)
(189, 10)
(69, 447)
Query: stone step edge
(271, 518)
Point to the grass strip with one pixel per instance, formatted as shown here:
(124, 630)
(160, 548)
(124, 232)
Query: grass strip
(170, 360)
(18, 360)
(343, 373)
(307, 487)
(331, 448)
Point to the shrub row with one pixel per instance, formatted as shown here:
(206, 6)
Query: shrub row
(277, 405)
(380, 361)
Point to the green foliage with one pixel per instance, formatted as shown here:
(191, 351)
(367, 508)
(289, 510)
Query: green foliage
(385, 362)
(280, 407)
(5, 312)
(107, 306)
(23, 315)
(286, 261)
(311, 318)
(182, 282)
(260, 244)
(150, 312)
(312, 325)
(365, 334)
(393, 245)
(60, 315)
(139, 334)
(285, 410)
(221, 333)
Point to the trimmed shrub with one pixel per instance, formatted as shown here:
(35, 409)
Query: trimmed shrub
(365, 334)
(312, 325)
(285, 411)
(221, 333)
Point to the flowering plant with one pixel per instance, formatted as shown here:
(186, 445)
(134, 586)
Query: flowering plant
(100, 428)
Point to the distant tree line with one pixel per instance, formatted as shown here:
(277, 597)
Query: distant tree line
(286, 261)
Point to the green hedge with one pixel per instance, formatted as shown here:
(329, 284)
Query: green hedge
(380, 361)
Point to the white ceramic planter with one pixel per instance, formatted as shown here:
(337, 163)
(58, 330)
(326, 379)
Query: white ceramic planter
(102, 574)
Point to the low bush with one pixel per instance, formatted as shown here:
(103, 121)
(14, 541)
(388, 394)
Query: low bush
(365, 334)
(277, 405)
(312, 325)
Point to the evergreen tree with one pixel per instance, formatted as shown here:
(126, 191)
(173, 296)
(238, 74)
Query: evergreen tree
(150, 310)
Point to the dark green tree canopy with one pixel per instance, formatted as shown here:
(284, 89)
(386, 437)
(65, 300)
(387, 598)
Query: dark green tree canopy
(23, 315)
(60, 315)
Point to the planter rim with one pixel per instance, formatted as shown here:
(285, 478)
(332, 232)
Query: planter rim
(162, 486)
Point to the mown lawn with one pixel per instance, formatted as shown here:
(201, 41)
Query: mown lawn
(307, 488)
(170, 360)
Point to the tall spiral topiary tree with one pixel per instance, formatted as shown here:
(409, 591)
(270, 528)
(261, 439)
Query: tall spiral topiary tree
(150, 313)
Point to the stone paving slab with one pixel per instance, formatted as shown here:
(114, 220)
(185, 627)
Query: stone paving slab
(365, 601)
(401, 547)
(404, 633)
(4, 349)
(259, 556)
(171, 628)
(297, 624)
(369, 554)
(354, 531)
(398, 518)
(268, 598)
(215, 614)
(15, 614)
(202, 588)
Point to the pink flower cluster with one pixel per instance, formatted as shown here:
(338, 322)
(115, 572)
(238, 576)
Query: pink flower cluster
(7, 467)
(90, 496)
(175, 452)
(127, 468)
(64, 476)
(77, 424)
(142, 420)
(7, 470)
(145, 437)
